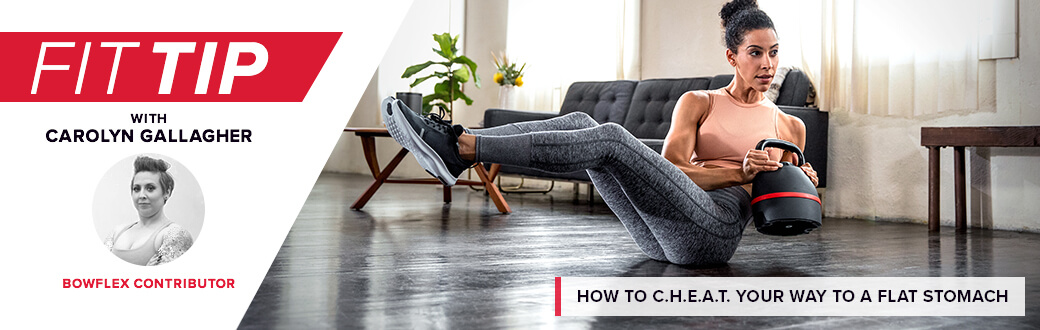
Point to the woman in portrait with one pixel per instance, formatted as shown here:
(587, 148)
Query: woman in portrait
(153, 239)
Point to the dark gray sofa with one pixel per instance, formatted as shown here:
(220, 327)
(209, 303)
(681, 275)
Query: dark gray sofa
(645, 107)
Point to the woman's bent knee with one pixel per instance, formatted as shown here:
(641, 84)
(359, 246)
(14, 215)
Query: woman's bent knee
(614, 129)
(583, 119)
(617, 132)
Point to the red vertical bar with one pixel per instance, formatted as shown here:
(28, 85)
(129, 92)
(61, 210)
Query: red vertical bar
(557, 296)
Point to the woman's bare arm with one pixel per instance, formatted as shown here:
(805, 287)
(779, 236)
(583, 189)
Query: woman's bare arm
(682, 138)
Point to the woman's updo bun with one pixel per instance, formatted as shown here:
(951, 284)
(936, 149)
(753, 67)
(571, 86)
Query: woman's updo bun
(731, 8)
(149, 164)
(739, 17)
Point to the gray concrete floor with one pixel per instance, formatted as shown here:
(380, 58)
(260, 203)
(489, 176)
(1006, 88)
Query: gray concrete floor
(409, 261)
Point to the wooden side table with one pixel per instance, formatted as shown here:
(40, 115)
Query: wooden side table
(368, 137)
(959, 137)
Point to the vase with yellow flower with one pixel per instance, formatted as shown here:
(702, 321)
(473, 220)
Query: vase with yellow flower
(508, 78)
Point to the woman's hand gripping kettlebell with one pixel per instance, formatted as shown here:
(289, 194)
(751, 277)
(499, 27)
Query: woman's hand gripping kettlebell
(811, 173)
(758, 161)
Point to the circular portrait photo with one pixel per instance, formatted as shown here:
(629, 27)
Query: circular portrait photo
(148, 209)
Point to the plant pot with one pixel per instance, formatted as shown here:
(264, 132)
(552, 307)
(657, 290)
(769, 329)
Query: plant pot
(507, 97)
(412, 100)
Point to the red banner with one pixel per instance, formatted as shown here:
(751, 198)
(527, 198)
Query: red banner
(161, 66)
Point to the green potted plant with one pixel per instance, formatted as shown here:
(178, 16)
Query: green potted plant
(449, 88)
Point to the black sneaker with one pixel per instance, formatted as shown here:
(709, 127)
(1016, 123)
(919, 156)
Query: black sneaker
(434, 142)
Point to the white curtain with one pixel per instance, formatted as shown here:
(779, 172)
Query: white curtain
(798, 30)
(567, 41)
(628, 62)
(886, 57)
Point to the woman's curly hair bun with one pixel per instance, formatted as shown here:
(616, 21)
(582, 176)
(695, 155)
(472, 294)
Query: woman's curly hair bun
(732, 8)
(740, 17)
(159, 166)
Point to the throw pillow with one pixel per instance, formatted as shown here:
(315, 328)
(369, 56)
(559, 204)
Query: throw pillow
(778, 80)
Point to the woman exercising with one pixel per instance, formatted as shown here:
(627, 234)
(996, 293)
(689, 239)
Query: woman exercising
(688, 205)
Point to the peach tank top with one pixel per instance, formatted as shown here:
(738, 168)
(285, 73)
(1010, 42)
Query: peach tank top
(731, 128)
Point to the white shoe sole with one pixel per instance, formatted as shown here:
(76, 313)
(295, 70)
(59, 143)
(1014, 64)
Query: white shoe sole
(402, 131)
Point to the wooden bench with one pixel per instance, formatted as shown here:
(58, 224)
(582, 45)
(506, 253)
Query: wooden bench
(959, 137)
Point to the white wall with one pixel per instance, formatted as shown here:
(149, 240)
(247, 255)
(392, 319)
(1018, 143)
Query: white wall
(670, 47)
(414, 42)
(484, 23)
(878, 170)
(681, 38)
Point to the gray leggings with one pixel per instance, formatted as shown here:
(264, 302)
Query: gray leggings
(668, 216)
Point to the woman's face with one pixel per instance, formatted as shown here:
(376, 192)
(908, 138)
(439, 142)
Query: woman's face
(756, 58)
(148, 196)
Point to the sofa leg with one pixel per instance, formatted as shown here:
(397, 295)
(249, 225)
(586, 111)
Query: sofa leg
(592, 196)
(519, 189)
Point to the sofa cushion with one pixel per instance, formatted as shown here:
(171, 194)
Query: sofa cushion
(795, 90)
(604, 101)
(720, 81)
(497, 117)
(650, 114)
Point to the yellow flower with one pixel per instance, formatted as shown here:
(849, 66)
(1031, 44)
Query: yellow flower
(507, 73)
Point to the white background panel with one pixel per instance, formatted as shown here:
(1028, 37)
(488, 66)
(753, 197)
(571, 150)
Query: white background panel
(253, 191)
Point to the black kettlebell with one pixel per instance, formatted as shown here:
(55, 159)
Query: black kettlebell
(784, 202)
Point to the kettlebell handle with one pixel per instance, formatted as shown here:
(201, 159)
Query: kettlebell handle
(781, 144)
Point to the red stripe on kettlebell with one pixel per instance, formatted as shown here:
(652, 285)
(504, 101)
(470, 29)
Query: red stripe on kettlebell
(786, 194)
